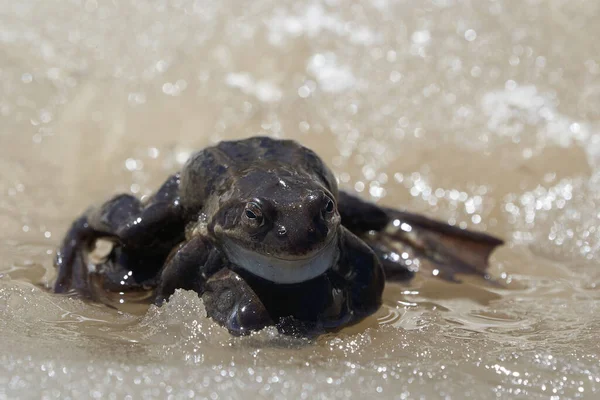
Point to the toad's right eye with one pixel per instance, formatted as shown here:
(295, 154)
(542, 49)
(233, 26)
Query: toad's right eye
(250, 214)
(253, 214)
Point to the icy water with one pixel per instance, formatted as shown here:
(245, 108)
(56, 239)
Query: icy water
(485, 114)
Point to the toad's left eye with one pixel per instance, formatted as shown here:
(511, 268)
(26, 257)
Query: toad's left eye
(329, 206)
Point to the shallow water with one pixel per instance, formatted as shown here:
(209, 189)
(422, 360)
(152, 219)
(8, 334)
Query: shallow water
(485, 114)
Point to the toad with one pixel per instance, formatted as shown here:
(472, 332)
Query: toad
(258, 228)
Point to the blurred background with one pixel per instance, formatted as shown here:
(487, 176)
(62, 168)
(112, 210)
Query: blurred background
(484, 114)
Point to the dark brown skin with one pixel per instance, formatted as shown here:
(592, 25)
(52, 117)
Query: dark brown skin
(259, 230)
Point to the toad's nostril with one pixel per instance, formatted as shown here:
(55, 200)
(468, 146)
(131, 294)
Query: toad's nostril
(281, 231)
(329, 207)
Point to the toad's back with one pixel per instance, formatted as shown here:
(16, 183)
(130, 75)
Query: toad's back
(214, 170)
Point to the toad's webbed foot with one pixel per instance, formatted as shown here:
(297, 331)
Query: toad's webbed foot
(406, 242)
(143, 235)
(232, 303)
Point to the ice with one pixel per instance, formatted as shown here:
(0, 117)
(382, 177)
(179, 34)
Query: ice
(512, 110)
(331, 77)
(484, 114)
(262, 90)
(314, 19)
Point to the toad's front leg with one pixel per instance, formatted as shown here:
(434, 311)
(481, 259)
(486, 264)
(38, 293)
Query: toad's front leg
(228, 299)
(232, 303)
(363, 273)
(347, 293)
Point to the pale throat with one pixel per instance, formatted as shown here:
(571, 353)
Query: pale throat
(281, 270)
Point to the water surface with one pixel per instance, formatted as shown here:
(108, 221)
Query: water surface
(485, 114)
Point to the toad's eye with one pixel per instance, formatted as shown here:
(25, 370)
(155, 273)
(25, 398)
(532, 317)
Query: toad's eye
(329, 206)
(253, 214)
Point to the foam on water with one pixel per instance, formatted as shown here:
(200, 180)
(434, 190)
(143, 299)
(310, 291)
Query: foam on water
(483, 114)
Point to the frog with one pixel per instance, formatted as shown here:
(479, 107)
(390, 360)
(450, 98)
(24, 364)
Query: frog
(259, 229)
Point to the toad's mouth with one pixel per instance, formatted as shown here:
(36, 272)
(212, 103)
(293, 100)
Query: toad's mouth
(283, 270)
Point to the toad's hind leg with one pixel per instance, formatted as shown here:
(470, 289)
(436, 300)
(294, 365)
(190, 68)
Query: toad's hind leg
(143, 236)
(406, 242)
